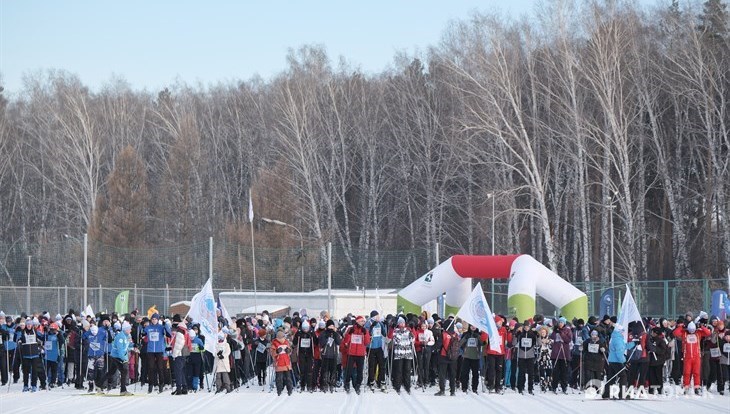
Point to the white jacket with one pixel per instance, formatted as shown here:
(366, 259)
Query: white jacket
(179, 344)
(222, 365)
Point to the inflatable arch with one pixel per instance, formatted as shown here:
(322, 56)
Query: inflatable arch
(527, 276)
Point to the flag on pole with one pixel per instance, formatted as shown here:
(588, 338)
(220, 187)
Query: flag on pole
(88, 312)
(476, 311)
(121, 304)
(202, 311)
(224, 312)
(629, 312)
(250, 206)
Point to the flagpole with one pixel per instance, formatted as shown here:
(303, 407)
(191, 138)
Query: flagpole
(253, 253)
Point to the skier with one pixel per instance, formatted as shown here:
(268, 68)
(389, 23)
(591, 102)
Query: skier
(222, 364)
(616, 372)
(155, 334)
(403, 346)
(376, 356)
(544, 363)
(280, 352)
(471, 344)
(329, 342)
(424, 349)
(691, 336)
(30, 351)
(560, 355)
(658, 352)
(594, 357)
(52, 343)
(525, 342)
(121, 346)
(355, 343)
(495, 357)
(98, 345)
(303, 343)
(447, 345)
(181, 347)
(261, 346)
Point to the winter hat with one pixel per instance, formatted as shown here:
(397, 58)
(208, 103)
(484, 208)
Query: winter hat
(305, 326)
(373, 314)
(330, 322)
(614, 319)
(401, 322)
(176, 318)
(594, 333)
(592, 320)
(562, 320)
(2, 314)
(36, 322)
(54, 325)
(155, 316)
(429, 321)
(321, 324)
(94, 329)
(192, 334)
(126, 327)
(459, 326)
(280, 335)
(605, 318)
(618, 327)
(512, 323)
(59, 317)
(691, 328)
(261, 332)
(117, 326)
(221, 336)
(656, 331)
(360, 319)
(85, 324)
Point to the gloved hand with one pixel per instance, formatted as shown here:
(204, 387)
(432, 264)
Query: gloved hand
(168, 349)
(220, 354)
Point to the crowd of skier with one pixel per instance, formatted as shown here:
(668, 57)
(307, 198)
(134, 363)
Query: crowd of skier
(405, 353)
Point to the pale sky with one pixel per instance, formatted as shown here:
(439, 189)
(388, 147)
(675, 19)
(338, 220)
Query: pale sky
(153, 43)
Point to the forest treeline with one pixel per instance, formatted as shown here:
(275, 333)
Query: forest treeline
(584, 126)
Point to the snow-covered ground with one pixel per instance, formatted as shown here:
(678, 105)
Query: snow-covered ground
(255, 401)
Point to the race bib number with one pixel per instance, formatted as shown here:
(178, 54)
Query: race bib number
(305, 342)
(715, 352)
(471, 342)
(578, 341)
(261, 348)
(526, 342)
(154, 336)
(94, 346)
(356, 339)
(30, 339)
(558, 338)
(376, 332)
(48, 346)
(692, 339)
(330, 341)
(593, 348)
(726, 348)
(421, 337)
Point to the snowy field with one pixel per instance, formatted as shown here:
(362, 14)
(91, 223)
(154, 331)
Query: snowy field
(256, 402)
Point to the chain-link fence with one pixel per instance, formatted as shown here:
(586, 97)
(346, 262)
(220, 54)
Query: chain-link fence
(50, 276)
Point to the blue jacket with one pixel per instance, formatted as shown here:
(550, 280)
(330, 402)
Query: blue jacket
(98, 344)
(198, 346)
(52, 344)
(8, 337)
(156, 338)
(617, 348)
(377, 330)
(121, 346)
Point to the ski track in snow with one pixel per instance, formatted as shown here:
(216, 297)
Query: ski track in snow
(256, 402)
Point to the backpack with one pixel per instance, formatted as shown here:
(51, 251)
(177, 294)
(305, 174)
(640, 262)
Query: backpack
(452, 351)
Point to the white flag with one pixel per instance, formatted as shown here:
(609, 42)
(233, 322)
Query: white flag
(88, 312)
(476, 311)
(629, 312)
(202, 310)
(250, 206)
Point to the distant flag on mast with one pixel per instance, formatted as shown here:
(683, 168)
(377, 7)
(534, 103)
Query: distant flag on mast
(250, 206)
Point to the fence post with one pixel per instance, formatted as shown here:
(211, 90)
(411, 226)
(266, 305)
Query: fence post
(27, 291)
(666, 298)
(135, 296)
(329, 278)
(706, 297)
(100, 298)
(142, 309)
(58, 296)
(167, 299)
(65, 298)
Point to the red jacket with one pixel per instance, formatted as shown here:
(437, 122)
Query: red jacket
(446, 340)
(356, 341)
(280, 350)
(317, 351)
(506, 336)
(691, 342)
